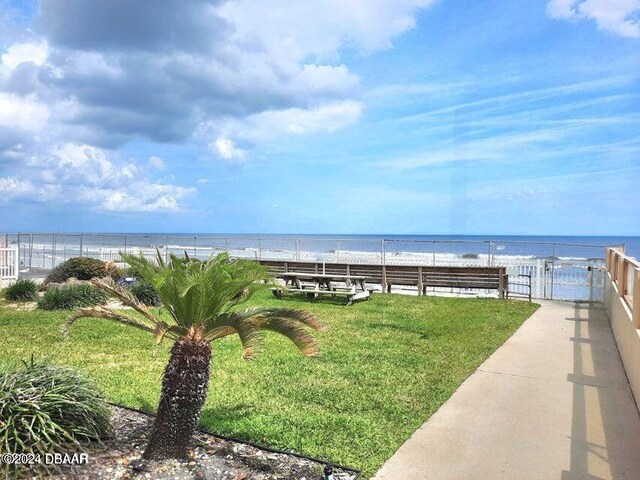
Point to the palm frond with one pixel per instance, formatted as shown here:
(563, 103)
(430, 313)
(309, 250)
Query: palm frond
(294, 331)
(236, 322)
(288, 322)
(118, 317)
(302, 316)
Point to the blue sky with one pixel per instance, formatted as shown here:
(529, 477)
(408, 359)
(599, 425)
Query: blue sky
(393, 116)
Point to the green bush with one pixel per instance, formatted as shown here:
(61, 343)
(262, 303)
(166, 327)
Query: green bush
(133, 272)
(68, 297)
(82, 268)
(47, 408)
(145, 293)
(23, 290)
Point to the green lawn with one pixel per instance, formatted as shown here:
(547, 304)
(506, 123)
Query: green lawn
(387, 365)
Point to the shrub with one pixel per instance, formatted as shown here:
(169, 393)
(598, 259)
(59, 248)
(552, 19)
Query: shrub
(133, 272)
(82, 268)
(68, 297)
(23, 290)
(145, 293)
(47, 408)
(114, 271)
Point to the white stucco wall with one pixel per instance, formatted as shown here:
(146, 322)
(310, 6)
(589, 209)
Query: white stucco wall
(626, 335)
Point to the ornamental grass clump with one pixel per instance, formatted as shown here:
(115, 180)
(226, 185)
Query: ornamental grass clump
(200, 301)
(68, 297)
(46, 408)
(24, 290)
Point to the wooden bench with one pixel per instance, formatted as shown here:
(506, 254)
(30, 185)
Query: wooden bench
(401, 275)
(421, 277)
(478, 278)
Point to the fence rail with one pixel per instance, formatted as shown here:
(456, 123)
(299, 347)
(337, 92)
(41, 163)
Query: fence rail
(569, 271)
(625, 274)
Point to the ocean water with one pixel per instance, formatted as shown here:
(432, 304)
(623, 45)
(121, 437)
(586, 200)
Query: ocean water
(541, 246)
(520, 245)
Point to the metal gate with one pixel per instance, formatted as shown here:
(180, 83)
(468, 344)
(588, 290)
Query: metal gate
(574, 279)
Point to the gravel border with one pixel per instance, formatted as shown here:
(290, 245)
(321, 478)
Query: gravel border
(214, 457)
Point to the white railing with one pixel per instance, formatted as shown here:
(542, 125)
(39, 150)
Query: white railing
(625, 274)
(622, 301)
(9, 266)
(113, 254)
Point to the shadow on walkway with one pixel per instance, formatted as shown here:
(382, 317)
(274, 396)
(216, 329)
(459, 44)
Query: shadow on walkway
(602, 403)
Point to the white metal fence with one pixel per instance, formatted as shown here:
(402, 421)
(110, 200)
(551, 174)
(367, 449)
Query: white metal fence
(557, 270)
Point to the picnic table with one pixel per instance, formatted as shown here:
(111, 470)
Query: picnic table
(313, 285)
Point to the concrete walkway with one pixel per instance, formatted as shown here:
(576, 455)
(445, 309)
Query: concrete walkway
(552, 403)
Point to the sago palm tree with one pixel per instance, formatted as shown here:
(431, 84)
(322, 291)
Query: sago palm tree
(202, 301)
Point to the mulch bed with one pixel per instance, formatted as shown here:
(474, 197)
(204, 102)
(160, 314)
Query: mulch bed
(213, 458)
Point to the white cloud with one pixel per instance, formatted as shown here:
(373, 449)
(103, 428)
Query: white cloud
(146, 198)
(14, 187)
(327, 80)
(617, 16)
(276, 124)
(24, 113)
(329, 118)
(18, 53)
(91, 176)
(321, 28)
(227, 149)
(87, 164)
(157, 162)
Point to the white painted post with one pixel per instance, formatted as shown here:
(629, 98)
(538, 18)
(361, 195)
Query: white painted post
(539, 277)
(592, 269)
(16, 264)
(54, 240)
(621, 276)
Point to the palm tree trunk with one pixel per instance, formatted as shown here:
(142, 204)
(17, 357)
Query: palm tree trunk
(184, 390)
